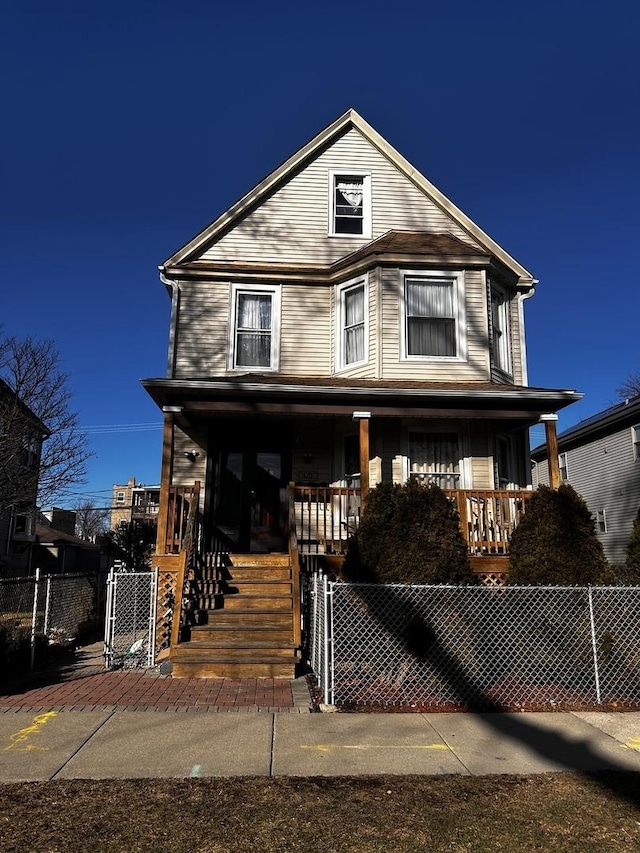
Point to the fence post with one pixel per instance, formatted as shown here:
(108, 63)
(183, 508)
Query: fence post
(151, 657)
(594, 647)
(34, 617)
(327, 590)
(47, 606)
(108, 621)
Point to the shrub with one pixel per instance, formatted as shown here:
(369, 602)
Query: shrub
(555, 542)
(408, 534)
(631, 572)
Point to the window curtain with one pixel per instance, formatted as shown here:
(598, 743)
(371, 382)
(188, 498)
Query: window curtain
(254, 330)
(431, 325)
(354, 325)
(352, 192)
(435, 458)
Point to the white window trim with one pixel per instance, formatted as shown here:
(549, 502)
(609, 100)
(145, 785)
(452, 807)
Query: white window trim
(635, 440)
(366, 203)
(464, 463)
(340, 291)
(459, 308)
(505, 323)
(564, 467)
(275, 292)
(601, 521)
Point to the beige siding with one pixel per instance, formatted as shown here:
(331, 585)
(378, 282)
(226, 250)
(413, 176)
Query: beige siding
(305, 339)
(201, 339)
(292, 224)
(476, 365)
(481, 449)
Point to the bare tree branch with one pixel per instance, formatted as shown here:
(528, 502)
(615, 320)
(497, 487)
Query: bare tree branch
(35, 406)
(630, 387)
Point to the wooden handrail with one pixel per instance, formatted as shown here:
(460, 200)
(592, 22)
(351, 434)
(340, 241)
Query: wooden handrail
(187, 554)
(294, 558)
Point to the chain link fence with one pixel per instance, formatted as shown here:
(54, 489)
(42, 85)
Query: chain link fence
(61, 608)
(131, 619)
(476, 647)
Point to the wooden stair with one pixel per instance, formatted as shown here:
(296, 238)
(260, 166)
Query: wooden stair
(248, 630)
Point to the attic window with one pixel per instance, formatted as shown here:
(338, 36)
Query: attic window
(350, 205)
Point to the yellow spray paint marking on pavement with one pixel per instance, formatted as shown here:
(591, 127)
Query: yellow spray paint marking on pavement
(634, 743)
(327, 747)
(19, 739)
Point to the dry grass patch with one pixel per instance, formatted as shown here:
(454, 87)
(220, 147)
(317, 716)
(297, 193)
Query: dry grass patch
(555, 812)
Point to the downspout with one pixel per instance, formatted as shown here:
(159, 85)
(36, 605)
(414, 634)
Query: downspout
(523, 345)
(173, 325)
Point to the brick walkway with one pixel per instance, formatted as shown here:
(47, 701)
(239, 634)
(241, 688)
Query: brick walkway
(85, 686)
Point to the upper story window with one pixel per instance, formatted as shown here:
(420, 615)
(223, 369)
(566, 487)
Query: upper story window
(352, 324)
(349, 204)
(563, 466)
(119, 497)
(255, 327)
(635, 438)
(500, 329)
(434, 457)
(433, 321)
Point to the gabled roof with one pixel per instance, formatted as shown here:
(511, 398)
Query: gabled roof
(609, 420)
(350, 119)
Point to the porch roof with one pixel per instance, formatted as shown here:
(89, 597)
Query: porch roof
(275, 394)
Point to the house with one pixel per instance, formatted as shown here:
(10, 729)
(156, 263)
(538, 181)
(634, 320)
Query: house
(600, 458)
(21, 436)
(342, 324)
(58, 550)
(131, 502)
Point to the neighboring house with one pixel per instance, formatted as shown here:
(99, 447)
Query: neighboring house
(600, 458)
(342, 324)
(131, 501)
(21, 436)
(59, 551)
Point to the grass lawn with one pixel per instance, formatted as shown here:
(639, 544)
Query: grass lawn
(554, 812)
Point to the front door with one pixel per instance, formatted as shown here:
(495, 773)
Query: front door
(251, 501)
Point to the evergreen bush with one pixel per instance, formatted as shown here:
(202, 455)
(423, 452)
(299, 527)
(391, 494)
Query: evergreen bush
(631, 572)
(555, 542)
(408, 534)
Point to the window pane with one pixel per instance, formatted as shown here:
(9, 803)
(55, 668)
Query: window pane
(353, 331)
(435, 458)
(431, 325)
(431, 337)
(348, 203)
(253, 330)
(254, 311)
(254, 349)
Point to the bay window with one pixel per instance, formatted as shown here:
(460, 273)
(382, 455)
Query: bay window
(255, 325)
(433, 323)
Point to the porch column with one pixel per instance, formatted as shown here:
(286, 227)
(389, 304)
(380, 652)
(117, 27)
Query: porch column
(165, 478)
(364, 418)
(551, 437)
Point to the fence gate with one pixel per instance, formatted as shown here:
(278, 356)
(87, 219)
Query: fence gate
(129, 636)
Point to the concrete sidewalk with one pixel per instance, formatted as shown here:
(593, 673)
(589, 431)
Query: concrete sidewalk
(81, 722)
(147, 744)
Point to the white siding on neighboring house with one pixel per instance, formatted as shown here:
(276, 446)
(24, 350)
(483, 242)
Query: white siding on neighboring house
(604, 472)
(292, 224)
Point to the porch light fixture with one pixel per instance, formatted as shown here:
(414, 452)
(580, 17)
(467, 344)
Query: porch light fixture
(192, 455)
(172, 410)
(548, 418)
(358, 416)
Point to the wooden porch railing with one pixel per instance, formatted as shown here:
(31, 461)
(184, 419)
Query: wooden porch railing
(176, 552)
(326, 516)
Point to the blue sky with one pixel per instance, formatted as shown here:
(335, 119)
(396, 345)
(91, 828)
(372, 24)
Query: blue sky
(129, 126)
